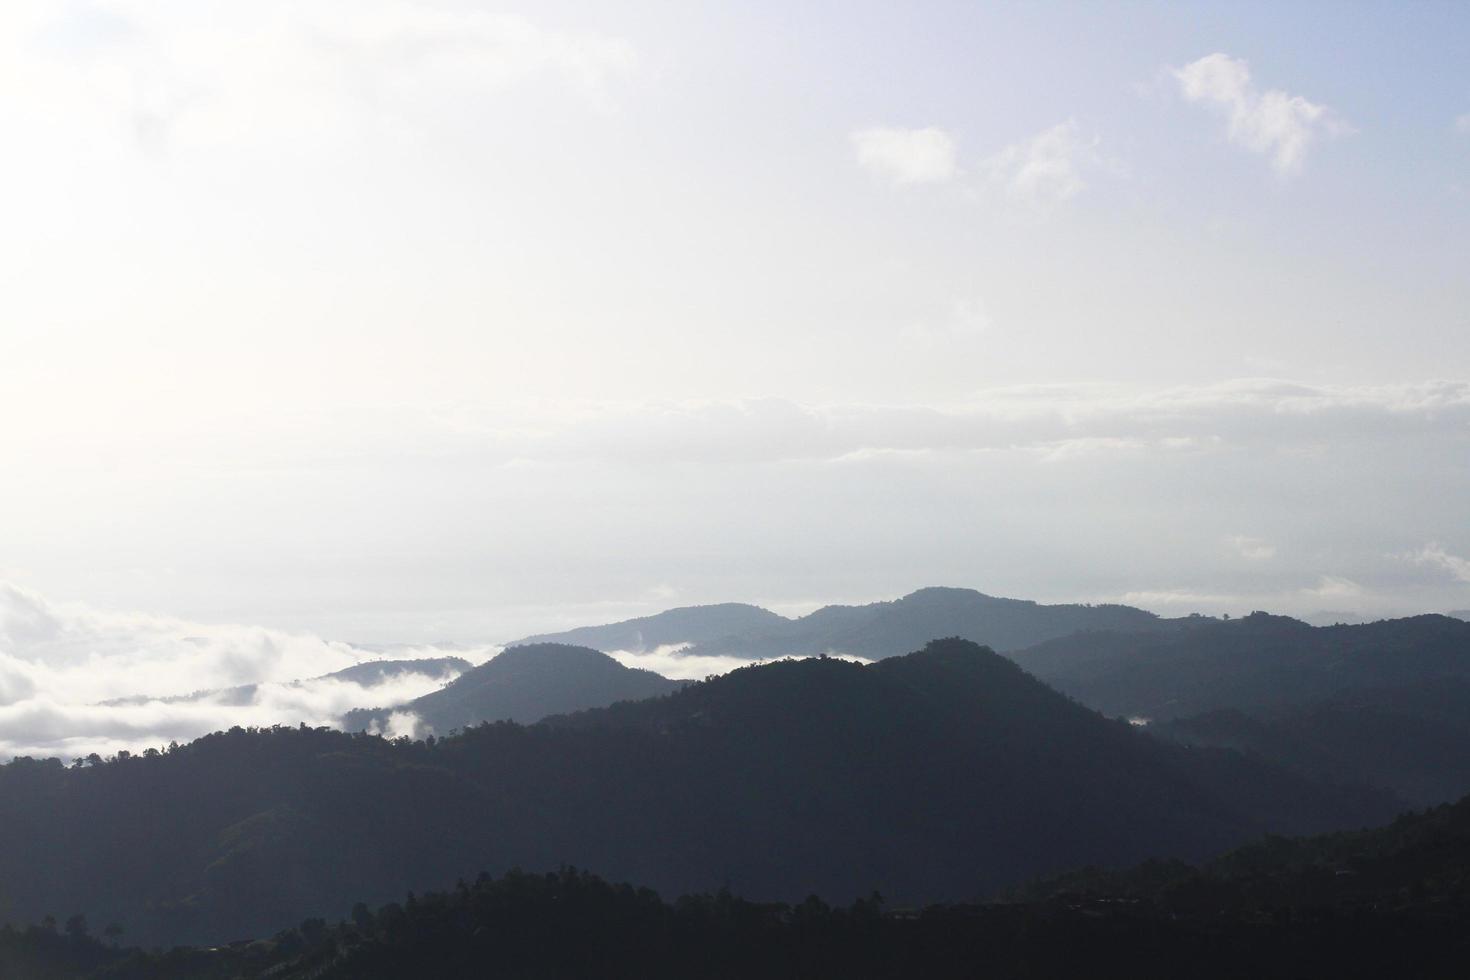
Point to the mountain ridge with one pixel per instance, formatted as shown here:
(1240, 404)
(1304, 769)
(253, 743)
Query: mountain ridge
(879, 629)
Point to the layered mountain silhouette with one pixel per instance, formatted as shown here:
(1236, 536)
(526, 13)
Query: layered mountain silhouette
(1385, 703)
(1385, 902)
(524, 684)
(874, 631)
(1259, 660)
(940, 775)
(1412, 739)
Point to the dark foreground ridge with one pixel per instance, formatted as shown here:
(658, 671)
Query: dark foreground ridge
(940, 776)
(1391, 902)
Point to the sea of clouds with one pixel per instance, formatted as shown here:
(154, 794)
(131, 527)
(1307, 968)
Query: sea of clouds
(76, 680)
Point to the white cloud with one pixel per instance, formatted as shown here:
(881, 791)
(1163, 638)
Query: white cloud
(219, 74)
(1462, 124)
(670, 661)
(74, 680)
(1047, 168)
(1253, 549)
(1435, 554)
(906, 156)
(1275, 123)
(1056, 420)
(1335, 587)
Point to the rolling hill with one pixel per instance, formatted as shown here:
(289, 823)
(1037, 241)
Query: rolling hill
(524, 684)
(1256, 661)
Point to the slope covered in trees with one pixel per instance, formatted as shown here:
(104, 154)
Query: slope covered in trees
(1379, 903)
(1412, 739)
(1256, 661)
(524, 684)
(941, 775)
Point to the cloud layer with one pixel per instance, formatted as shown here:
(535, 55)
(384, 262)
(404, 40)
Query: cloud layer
(75, 680)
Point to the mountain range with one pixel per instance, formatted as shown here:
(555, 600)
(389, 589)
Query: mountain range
(943, 774)
(872, 631)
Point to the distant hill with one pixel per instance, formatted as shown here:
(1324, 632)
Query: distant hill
(687, 624)
(368, 674)
(1256, 661)
(525, 684)
(1412, 739)
(873, 631)
(939, 775)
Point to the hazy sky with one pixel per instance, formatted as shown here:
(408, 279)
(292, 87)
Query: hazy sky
(406, 321)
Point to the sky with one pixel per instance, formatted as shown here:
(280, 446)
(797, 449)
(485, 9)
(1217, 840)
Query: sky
(379, 321)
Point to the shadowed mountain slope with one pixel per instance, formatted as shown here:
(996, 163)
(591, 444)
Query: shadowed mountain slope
(1412, 739)
(940, 775)
(1256, 661)
(525, 684)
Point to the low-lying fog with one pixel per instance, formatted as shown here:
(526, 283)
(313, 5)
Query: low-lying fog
(75, 680)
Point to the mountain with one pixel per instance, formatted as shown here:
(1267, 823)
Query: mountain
(687, 624)
(874, 631)
(1413, 739)
(1254, 662)
(940, 775)
(524, 684)
(1419, 863)
(1385, 902)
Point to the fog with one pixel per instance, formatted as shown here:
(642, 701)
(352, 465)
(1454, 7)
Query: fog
(75, 681)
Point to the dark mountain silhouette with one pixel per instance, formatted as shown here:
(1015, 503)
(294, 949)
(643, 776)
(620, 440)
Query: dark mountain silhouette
(877, 630)
(525, 684)
(940, 775)
(1386, 902)
(1419, 863)
(367, 674)
(1254, 662)
(687, 624)
(1413, 739)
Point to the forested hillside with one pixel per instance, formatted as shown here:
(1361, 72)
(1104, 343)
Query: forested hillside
(942, 775)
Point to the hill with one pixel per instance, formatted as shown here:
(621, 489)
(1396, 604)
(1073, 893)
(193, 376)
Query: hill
(1412, 739)
(941, 775)
(687, 624)
(1256, 661)
(873, 631)
(1385, 902)
(524, 684)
